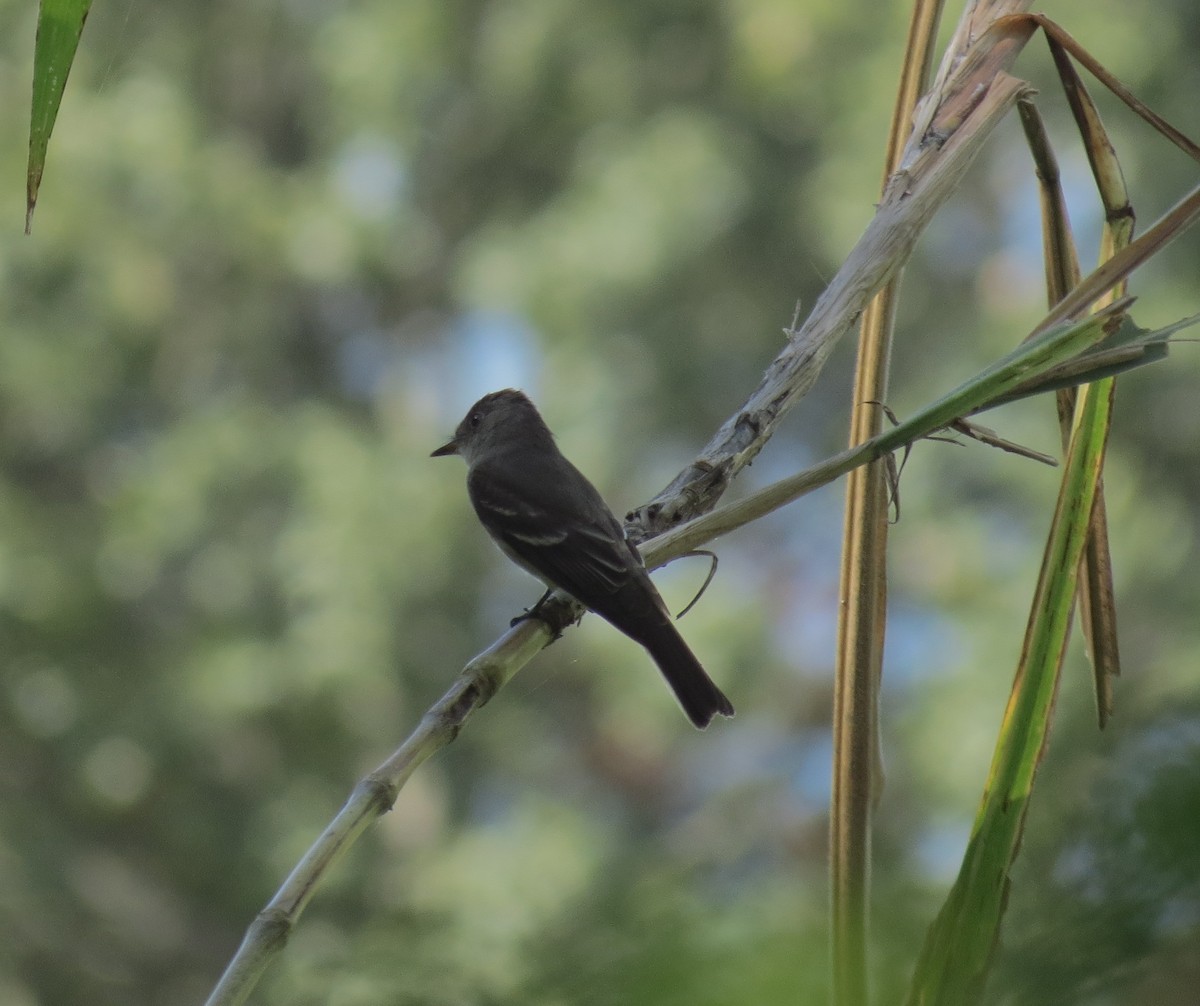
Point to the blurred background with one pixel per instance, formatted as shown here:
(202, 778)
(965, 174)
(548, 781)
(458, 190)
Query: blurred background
(282, 247)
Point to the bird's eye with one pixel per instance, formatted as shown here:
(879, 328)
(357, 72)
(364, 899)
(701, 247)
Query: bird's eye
(476, 418)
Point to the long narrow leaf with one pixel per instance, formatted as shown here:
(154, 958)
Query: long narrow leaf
(60, 23)
(1097, 601)
(1124, 349)
(959, 945)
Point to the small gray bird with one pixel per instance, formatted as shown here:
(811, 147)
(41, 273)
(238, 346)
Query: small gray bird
(550, 520)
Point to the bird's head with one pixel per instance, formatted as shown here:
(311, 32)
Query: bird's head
(497, 421)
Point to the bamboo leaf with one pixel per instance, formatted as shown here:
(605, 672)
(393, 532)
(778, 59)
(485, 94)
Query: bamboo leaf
(1124, 349)
(959, 945)
(60, 23)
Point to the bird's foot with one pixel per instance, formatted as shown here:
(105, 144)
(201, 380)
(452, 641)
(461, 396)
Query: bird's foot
(534, 612)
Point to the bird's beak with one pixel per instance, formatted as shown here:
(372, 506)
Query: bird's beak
(450, 448)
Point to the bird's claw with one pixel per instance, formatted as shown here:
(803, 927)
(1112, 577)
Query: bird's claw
(534, 612)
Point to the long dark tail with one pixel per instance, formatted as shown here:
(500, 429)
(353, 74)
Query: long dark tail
(697, 692)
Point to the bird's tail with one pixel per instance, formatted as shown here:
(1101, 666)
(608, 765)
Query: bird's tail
(696, 691)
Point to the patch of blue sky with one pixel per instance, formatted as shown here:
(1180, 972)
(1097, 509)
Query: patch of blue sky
(939, 849)
(371, 176)
(493, 350)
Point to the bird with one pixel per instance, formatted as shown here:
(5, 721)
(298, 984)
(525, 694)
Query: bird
(551, 521)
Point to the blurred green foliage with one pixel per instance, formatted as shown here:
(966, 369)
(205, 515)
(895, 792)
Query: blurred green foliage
(279, 249)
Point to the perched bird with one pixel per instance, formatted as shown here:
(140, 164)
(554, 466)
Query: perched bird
(550, 520)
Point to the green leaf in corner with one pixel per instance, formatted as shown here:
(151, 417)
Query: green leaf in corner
(60, 23)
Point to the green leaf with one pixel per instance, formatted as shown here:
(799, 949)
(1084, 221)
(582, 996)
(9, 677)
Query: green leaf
(1126, 348)
(60, 23)
(958, 948)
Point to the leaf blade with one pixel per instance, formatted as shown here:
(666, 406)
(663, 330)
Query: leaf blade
(60, 24)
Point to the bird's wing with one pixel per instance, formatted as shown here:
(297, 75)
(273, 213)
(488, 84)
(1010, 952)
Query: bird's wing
(568, 539)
